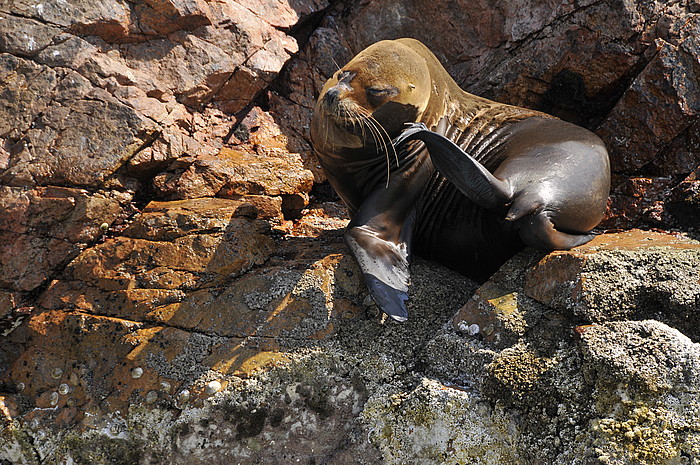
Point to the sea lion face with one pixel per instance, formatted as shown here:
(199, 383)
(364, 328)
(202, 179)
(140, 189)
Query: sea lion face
(388, 84)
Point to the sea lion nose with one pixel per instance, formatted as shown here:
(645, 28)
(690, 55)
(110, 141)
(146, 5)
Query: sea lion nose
(332, 95)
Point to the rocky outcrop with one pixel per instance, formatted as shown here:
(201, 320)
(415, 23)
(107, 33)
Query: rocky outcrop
(173, 283)
(298, 360)
(627, 70)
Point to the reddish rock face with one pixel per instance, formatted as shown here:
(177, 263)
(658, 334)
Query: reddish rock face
(142, 301)
(42, 229)
(164, 223)
(667, 89)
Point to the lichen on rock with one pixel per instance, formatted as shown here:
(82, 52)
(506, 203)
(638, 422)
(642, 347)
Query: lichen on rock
(173, 281)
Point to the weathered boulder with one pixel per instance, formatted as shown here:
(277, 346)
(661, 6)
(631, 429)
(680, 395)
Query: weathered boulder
(104, 97)
(234, 173)
(173, 282)
(668, 88)
(42, 229)
(596, 397)
(316, 377)
(629, 275)
(79, 137)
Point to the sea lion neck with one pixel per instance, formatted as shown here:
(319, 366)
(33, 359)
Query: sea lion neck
(447, 99)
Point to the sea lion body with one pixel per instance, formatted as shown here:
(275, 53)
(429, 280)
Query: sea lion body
(484, 180)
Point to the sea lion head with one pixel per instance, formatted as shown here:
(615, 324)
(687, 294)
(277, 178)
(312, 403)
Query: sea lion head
(380, 90)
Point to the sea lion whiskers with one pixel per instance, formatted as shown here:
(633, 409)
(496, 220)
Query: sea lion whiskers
(366, 120)
(381, 132)
(396, 155)
(357, 120)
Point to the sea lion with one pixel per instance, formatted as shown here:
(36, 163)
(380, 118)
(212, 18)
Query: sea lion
(483, 180)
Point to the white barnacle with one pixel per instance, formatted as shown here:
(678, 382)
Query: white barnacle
(212, 387)
(471, 330)
(184, 396)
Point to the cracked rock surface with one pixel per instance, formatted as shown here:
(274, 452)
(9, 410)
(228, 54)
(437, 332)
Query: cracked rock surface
(174, 287)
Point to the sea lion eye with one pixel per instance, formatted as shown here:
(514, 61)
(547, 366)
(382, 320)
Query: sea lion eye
(382, 92)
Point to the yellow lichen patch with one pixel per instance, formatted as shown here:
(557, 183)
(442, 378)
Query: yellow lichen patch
(641, 435)
(259, 361)
(495, 311)
(504, 302)
(244, 358)
(517, 371)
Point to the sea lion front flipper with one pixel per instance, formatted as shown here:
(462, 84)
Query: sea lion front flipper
(384, 266)
(383, 254)
(461, 169)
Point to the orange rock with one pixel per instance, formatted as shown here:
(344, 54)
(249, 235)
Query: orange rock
(628, 275)
(576, 279)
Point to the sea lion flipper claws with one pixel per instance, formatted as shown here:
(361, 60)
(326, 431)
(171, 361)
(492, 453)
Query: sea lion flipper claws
(462, 170)
(390, 300)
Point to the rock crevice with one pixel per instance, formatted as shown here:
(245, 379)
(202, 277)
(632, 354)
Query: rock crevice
(173, 282)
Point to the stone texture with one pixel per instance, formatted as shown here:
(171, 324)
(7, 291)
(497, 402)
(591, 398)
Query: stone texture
(685, 201)
(309, 363)
(52, 225)
(435, 423)
(233, 173)
(638, 200)
(668, 89)
(650, 359)
(628, 275)
(71, 139)
(173, 282)
(105, 96)
(632, 376)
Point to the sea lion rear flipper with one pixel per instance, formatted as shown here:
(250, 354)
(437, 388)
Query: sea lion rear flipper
(461, 169)
(538, 231)
(384, 262)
